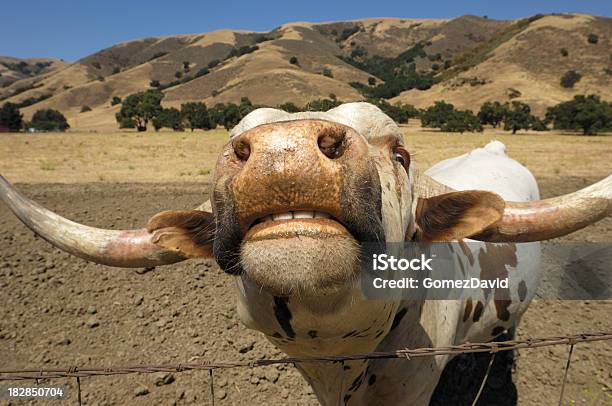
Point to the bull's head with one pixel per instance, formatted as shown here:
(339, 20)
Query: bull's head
(294, 195)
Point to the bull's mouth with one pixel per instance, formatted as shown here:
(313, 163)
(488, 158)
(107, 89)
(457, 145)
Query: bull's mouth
(295, 223)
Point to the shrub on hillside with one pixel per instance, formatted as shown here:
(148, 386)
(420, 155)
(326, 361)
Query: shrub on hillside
(243, 50)
(513, 93)
(398, 73)
(49, 120)
(289, 107)
(570, 78)
(321, 105)
(33, 100)
(202, 72)
(592, 38)
(158, 55)
(347, 32)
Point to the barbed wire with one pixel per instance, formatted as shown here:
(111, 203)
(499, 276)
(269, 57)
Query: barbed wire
(12, 374)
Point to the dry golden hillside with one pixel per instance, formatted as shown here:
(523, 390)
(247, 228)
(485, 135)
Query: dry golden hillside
(474, 60)
(528, 66)
(16, 69)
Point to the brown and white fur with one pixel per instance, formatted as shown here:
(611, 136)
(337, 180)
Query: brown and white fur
(340, 321)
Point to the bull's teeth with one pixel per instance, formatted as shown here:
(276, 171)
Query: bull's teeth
(303, 214)
(282, 216)
(299, 214)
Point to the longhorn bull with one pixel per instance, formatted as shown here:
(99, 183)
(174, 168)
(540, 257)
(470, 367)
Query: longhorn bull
(295, 195)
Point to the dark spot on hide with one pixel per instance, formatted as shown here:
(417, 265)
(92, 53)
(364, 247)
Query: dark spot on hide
(522, 291)
(501, 307)
(357, 382)
(398, 318)
(478, 311)
(283, 316)
(494, 264)
(468, 309)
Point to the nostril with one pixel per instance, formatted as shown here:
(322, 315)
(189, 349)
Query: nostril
(242, 149)
(332, 142)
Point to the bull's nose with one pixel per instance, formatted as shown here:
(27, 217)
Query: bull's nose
(300, 137)
(293, 165)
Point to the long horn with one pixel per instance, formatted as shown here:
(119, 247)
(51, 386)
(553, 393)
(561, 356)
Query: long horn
(541, 219)
(121, 248)
(554, 217)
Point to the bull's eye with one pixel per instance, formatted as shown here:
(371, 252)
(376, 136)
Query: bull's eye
(402, 156)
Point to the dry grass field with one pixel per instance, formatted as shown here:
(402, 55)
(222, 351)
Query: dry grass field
(57, 310)
(167, 156)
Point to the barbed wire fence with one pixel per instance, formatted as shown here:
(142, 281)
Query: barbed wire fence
(10, 374)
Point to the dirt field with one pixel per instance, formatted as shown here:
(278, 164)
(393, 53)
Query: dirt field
(56, 310)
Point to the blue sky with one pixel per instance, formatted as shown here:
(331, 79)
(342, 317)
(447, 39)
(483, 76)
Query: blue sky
(72, 29)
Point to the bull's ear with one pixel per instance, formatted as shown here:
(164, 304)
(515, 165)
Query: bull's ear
(188, 232)
(456, 215)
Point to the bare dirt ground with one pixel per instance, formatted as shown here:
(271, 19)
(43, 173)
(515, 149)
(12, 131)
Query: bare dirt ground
(56, 310)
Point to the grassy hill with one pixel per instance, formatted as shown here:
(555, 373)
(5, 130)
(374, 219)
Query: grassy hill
(17, 69)
(525, 62)
(466, 61)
